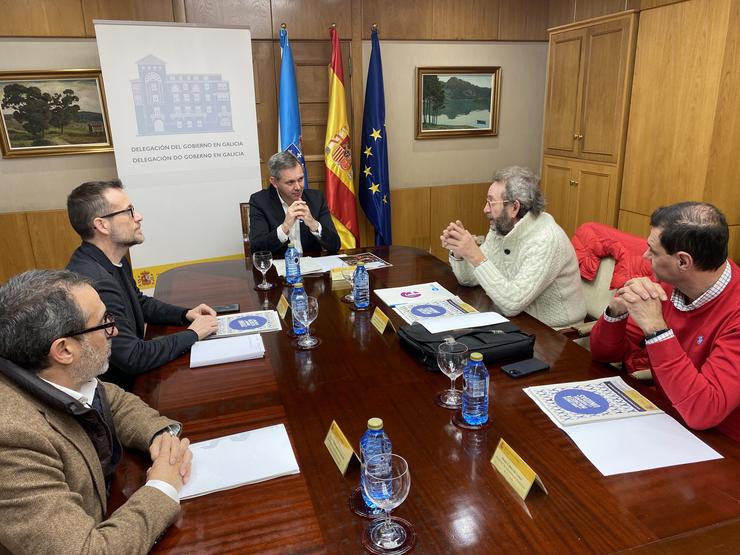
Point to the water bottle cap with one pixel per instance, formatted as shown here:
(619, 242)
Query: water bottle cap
(375, 424)
(290, 244)
(477, 357)
(360, 263)
(298, 284)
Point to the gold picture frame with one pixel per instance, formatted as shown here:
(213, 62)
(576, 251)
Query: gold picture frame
(47, 113)
(457, 102)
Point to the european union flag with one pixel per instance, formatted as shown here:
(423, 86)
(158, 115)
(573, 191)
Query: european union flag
(375, 187)
(289, 116)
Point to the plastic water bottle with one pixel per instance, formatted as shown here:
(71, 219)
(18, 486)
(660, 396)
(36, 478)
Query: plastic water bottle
(361, 286)
(374, 442)
(292, 264)
(475, 391)
(298, 301)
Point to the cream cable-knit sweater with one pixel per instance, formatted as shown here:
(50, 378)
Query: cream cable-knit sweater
(533, 269)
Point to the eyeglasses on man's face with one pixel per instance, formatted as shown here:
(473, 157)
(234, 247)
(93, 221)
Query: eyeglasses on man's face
(109, 324)
(492, 202)
(130, 209)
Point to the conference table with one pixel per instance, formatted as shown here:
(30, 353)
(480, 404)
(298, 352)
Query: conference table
(458, 503)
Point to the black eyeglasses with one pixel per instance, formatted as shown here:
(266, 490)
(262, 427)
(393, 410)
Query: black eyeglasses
(130, 209)
(109, 324)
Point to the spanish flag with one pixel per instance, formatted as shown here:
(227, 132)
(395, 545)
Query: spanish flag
(340, 189)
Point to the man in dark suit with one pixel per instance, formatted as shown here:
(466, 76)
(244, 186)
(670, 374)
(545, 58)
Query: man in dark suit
(100, 211)
(62, 431)
(287, 211)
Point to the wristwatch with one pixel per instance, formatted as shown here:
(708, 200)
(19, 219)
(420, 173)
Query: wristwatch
(655, 334)
(173, 429)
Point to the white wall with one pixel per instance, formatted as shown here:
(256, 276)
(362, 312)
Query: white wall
(414, 163)
(43, 182)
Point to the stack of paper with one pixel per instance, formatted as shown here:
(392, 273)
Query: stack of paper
(308, 266)
(242, 323)
(240, 459)
(228, 349)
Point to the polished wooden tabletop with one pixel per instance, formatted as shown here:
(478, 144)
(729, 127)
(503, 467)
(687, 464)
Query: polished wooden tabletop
(458, 502)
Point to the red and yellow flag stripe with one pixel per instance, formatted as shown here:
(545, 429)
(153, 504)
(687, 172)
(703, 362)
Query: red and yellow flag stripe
(340, 189)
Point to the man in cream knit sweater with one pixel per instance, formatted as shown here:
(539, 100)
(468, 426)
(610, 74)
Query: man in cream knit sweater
(526, 263)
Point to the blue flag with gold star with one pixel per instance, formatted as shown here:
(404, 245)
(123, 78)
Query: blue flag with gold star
(375, 188)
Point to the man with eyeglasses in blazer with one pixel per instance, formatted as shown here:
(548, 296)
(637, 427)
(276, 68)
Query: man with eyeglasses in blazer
(62, 431)
(102, 214)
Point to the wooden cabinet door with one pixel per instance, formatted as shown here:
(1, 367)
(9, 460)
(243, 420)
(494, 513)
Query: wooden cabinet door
(564, 78)
(595, 184)
(608, 49)
(557, 185)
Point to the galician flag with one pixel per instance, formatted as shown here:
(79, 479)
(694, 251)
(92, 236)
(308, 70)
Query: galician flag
(289, 116)
(340, 190)
(374, 186)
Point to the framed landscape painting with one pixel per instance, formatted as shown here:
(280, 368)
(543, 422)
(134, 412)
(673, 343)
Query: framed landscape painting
(457, 101)
(53, 112)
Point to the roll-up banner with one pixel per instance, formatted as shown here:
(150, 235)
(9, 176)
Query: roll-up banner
(182, 111)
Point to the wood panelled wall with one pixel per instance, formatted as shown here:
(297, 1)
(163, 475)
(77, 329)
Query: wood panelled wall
(41, 239)
(683, 136)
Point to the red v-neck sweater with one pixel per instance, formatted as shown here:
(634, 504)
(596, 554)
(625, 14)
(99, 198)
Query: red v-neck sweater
(698, 370)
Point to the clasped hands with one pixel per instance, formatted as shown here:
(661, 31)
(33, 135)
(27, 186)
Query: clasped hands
(642, 298)
(299, 211)
(461, 243)
(171, 460)
(203, 319)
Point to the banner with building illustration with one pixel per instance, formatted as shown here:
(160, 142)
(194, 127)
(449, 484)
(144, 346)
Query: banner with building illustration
(182, 113)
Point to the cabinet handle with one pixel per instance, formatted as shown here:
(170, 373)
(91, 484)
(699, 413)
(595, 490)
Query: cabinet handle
(580, 137)
(575, 137)
(575, 183)
(571, 182)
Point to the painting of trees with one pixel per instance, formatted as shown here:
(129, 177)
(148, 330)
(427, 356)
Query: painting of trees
(52, 112)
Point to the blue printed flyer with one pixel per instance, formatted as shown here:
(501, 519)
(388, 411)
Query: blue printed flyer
(259, 321)
(580, 402)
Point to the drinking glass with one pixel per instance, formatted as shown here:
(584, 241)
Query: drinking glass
(451, 359)
(348, 272)
(306, 317)
(387, 483)
(263, 261)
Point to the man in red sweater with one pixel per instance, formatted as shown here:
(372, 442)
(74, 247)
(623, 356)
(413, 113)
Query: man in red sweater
(686, 329)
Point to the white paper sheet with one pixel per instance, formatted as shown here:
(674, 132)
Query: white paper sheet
(228, 349)
(463, 321)
(413, 293)
(240, 459)
(642, 443)
(308, 266)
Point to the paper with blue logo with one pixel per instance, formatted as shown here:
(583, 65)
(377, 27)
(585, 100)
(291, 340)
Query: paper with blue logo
(419, 292)
(259, 321)
(581, 402)
(426, 310)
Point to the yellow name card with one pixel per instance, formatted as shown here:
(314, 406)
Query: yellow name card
(282, 307)
(340, 448)
(515, 471)
(379, 320)
(336, 274)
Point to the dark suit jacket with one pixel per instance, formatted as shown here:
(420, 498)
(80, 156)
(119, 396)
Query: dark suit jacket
(130, 354)
(266, 214)
(53, 497)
